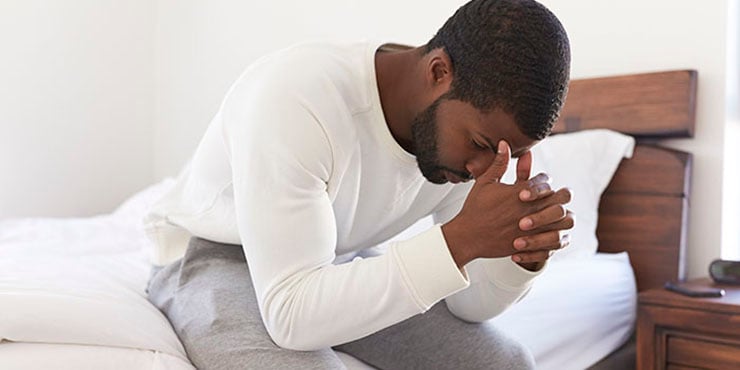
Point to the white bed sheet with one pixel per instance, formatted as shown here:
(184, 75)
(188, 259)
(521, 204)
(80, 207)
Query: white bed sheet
(578, 311)
(73, 290)
(40, 356)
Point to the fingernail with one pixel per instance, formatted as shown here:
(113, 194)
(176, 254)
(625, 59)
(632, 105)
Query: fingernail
(516, 258)
(520, 244)
(501, 146)
(525, 223)
(542, 188)
(538, 180)
(541, 177)
(525, 194)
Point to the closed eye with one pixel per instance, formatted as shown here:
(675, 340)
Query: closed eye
(478, 145)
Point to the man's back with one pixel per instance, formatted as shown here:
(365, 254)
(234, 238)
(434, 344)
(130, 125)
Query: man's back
(299, 166)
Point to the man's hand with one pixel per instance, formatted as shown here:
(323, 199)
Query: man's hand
(547, 228)
(495, 215)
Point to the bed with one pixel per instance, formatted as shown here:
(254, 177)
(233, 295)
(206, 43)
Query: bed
(72, 290)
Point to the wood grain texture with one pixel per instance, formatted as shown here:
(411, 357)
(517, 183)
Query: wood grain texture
(696, 352)
(653, 170)
(645, 208)
(644, 211)
(729, 304)
(661, 104)
(679, 367)
(676, 332)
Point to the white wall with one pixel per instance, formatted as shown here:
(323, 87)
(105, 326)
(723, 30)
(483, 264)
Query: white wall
(618, 37)
(76, 104)
(86, 90)
(731, 201)
(205, 45)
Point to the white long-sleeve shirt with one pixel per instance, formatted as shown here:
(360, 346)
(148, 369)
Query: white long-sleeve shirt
(299, 167)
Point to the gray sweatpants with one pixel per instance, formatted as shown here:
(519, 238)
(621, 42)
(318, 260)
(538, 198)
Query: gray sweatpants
(210, 302)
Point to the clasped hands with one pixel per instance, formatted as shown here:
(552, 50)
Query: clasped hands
(526, 220)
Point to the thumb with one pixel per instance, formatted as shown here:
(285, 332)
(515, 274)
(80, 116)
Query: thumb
(499, 165)
(524, 167)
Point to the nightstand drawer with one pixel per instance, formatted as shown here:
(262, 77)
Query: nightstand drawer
(695, 352)
(679, 333)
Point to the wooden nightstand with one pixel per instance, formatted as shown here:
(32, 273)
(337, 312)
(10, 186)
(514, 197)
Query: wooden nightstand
(679, 332)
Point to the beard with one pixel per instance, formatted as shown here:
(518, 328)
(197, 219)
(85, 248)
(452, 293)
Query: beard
(424, 132)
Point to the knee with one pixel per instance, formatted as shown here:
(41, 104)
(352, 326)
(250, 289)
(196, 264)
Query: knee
(518, 356)
(504, 351)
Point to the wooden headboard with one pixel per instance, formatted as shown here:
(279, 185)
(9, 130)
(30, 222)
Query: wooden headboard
(644, 209)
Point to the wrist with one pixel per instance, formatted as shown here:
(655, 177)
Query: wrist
(531, 266)
(454, 238)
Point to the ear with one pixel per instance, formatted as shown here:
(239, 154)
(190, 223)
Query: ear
(439, 71)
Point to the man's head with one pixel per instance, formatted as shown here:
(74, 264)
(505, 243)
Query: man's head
(509, 63)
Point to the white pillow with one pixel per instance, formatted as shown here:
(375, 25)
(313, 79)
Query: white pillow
(584, 162)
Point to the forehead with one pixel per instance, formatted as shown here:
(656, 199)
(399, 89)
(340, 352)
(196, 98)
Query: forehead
(493, 125)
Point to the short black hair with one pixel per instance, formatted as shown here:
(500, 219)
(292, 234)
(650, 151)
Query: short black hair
(508, 54)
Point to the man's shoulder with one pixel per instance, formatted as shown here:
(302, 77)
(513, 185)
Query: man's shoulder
(329, 80)
(313, 59)
(319, 50)
(311, 72)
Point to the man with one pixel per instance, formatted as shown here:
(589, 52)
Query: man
(320, 152)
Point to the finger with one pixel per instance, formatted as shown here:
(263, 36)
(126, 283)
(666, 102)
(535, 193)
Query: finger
(539, 179)
(551, 240)
(537, 187)
(565, 243)
(566, 223)
(549, 215)
(562, 196)
(499, 165)
(524, 167)
(537, 256)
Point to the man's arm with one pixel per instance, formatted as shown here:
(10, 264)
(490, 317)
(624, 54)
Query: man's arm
(490, 229)
(495, 218)
(281, 162)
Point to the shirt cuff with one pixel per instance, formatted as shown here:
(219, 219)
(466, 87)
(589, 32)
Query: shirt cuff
(508, 274)
(428, 268)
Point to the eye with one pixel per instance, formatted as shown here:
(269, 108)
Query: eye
(478, 145)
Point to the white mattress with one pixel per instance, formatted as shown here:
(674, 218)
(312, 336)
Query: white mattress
(72, 296)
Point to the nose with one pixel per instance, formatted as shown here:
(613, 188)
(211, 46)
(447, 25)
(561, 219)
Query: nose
(479, 163)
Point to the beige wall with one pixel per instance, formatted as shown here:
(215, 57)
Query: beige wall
(76, 105)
